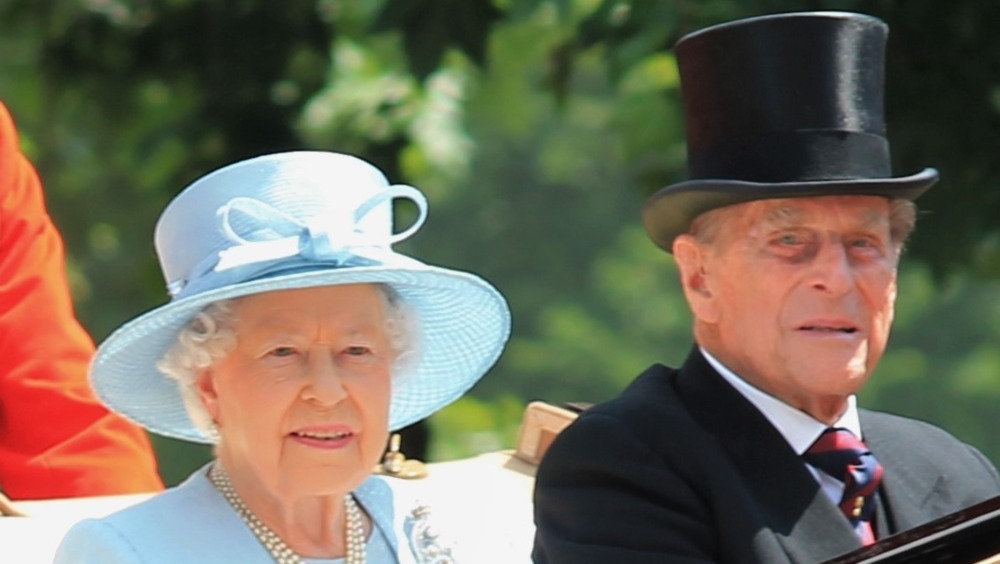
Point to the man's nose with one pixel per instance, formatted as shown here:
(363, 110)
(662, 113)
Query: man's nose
(832, 270)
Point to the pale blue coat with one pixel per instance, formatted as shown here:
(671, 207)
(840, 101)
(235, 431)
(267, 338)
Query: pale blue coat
(193, 523)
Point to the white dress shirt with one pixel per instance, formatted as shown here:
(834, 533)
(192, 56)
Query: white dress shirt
(798, 427)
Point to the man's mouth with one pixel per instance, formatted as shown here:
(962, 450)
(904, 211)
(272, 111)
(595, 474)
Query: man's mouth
(829, 329)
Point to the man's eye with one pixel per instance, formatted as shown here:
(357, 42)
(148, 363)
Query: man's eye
(789, 240)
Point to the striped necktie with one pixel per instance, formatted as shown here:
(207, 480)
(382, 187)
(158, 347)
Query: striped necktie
(842, 455)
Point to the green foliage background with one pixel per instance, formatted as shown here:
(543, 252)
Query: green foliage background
(537, 128)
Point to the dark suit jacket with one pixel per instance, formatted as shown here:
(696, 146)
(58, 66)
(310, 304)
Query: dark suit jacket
(682, 468)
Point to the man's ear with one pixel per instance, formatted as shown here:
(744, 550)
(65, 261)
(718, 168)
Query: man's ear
(204, 384)
(692, 263)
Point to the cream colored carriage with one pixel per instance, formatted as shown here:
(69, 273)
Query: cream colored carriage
(495, 486)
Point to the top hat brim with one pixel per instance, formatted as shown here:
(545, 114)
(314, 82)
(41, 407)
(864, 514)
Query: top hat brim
(670, 211)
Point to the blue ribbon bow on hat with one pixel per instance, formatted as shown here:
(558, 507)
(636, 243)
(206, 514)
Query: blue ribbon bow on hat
(266, 240)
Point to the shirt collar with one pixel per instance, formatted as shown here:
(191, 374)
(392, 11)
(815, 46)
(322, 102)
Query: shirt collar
(799, 429)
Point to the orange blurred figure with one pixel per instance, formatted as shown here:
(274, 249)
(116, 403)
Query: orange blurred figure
(56, 439)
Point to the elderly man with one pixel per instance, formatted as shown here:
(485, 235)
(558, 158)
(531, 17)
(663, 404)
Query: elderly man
(787, 239)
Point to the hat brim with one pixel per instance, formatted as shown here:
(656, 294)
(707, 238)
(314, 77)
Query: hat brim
(670, 211)
(464, 321)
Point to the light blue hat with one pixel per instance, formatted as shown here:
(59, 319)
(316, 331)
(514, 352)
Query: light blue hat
(298, 220)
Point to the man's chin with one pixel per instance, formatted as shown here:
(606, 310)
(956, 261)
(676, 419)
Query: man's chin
(842, 378)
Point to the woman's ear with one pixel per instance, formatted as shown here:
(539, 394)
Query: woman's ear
(205, 386)
(692, 263)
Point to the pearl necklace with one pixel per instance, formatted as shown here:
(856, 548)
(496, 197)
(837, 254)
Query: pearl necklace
(281, 552)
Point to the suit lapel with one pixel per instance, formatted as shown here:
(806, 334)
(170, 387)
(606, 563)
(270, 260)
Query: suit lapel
(910, 494)
(809, 527)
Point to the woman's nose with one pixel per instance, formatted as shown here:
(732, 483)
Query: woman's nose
(324, 385)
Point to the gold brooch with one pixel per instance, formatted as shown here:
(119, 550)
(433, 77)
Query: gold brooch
(395, 464)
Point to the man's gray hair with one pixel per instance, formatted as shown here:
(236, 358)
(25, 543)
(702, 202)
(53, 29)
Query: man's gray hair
(211, 335)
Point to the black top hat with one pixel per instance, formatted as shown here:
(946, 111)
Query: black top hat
(779, 106)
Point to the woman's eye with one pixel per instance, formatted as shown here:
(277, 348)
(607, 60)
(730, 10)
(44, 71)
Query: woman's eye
(357, 350)
(282, 351)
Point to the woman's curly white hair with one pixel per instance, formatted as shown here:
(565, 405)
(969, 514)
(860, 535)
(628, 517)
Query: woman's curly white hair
(211, 335)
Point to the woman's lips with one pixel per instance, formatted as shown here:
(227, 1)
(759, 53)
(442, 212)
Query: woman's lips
(323, 437)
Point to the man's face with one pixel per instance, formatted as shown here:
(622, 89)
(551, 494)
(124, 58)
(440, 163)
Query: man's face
(796, 295)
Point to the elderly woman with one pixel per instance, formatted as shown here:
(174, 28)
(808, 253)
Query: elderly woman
(295, 340)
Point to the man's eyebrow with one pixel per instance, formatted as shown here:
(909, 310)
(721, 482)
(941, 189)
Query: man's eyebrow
(874, 221)
(789, 216)
(783, 216)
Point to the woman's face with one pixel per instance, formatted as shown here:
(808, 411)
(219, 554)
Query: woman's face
(302, 401)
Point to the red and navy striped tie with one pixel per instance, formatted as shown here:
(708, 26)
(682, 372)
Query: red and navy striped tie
(842, 455)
